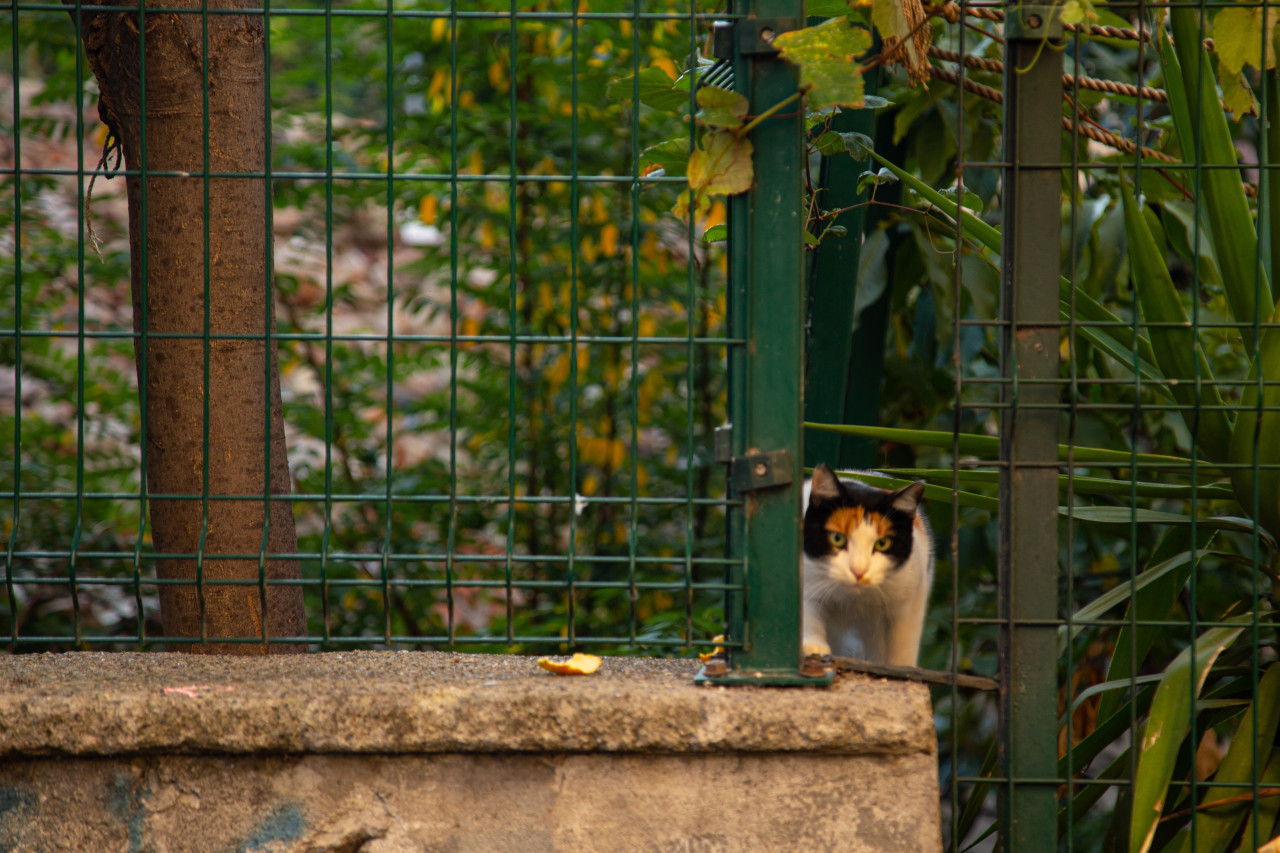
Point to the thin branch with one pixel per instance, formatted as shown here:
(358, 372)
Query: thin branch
(1262, 794)
(915, 673)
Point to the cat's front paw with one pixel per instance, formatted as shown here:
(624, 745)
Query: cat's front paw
(815, 647)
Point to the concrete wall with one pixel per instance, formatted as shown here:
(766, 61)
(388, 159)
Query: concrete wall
(370, 751)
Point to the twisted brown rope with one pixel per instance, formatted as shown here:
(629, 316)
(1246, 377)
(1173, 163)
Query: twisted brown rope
(1087, 130)
(951, 11)
(1110, 86)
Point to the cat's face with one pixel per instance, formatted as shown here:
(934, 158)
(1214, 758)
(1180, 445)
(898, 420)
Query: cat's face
(859, 535)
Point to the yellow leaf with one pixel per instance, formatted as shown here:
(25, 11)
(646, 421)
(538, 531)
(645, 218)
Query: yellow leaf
(428, 210)
(717, 216)
(664, 62)
(1237, 96)
(609, 240)
(1236, 31)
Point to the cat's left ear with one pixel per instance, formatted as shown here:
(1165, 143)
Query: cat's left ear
(907, 499)
(825, 485)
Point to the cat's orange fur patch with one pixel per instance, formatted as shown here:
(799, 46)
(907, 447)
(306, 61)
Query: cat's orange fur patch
(845, 519)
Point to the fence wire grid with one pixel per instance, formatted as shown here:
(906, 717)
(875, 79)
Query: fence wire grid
(500, 357)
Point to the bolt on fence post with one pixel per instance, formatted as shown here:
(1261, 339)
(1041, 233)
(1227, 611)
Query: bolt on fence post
(1029, 427)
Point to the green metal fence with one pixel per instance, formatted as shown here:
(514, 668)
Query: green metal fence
(535, 393)
(501, 357)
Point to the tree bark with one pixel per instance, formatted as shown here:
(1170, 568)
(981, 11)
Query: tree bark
(199, 260)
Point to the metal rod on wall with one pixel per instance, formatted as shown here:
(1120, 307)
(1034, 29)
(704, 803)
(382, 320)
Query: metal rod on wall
(1029, 427)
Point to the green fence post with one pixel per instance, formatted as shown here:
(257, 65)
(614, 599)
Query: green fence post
(766, 277)
(1029, 427)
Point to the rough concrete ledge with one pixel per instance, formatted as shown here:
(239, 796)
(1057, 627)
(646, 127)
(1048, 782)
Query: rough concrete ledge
(391, 752)
(104, 704)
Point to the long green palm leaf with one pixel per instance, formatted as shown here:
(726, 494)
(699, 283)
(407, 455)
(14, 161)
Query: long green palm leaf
(1177, 349)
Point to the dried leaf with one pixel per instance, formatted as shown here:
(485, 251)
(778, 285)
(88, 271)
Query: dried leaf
(721, 165)
(898, 19)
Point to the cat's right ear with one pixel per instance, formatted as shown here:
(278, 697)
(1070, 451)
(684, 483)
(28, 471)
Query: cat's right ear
(825, 485)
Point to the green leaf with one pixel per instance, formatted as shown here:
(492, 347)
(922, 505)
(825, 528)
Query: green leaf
(965, 198)
(825, 8)
(826, 55)
(1097, 608)
(1268, 807)
(716, 233)
(1167, 727)
(977, 796)
(830, 143)
(1126, 515)
(1255, 442)
(1152, 603)
(988, 446)
(1192, 239)
(875, 179)
(671, 156)
(933, 493)
(1199, 118)
(1082, 485)
(1087, 795)
(859, 145)
(1216, 827)
(875, 102)
(1173, 340)
(721, 107)
(657, 90)
(721, 165)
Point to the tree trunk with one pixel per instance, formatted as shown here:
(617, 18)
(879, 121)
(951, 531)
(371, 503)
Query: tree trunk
(203, 391)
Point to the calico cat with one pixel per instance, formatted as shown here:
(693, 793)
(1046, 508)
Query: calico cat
(867, 569)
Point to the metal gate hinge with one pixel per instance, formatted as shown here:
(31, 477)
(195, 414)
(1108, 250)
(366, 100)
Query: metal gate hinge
(754, 36)
(754, 471)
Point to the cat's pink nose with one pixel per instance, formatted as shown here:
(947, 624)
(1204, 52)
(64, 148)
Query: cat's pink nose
(858, 573)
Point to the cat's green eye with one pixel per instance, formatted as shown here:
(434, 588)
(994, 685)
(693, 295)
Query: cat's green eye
(883, 543)
(836, 539)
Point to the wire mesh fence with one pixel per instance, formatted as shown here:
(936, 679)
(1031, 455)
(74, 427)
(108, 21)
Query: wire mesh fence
(507, 330)
(501, 359)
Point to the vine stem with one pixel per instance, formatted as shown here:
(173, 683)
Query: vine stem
(751, 125)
